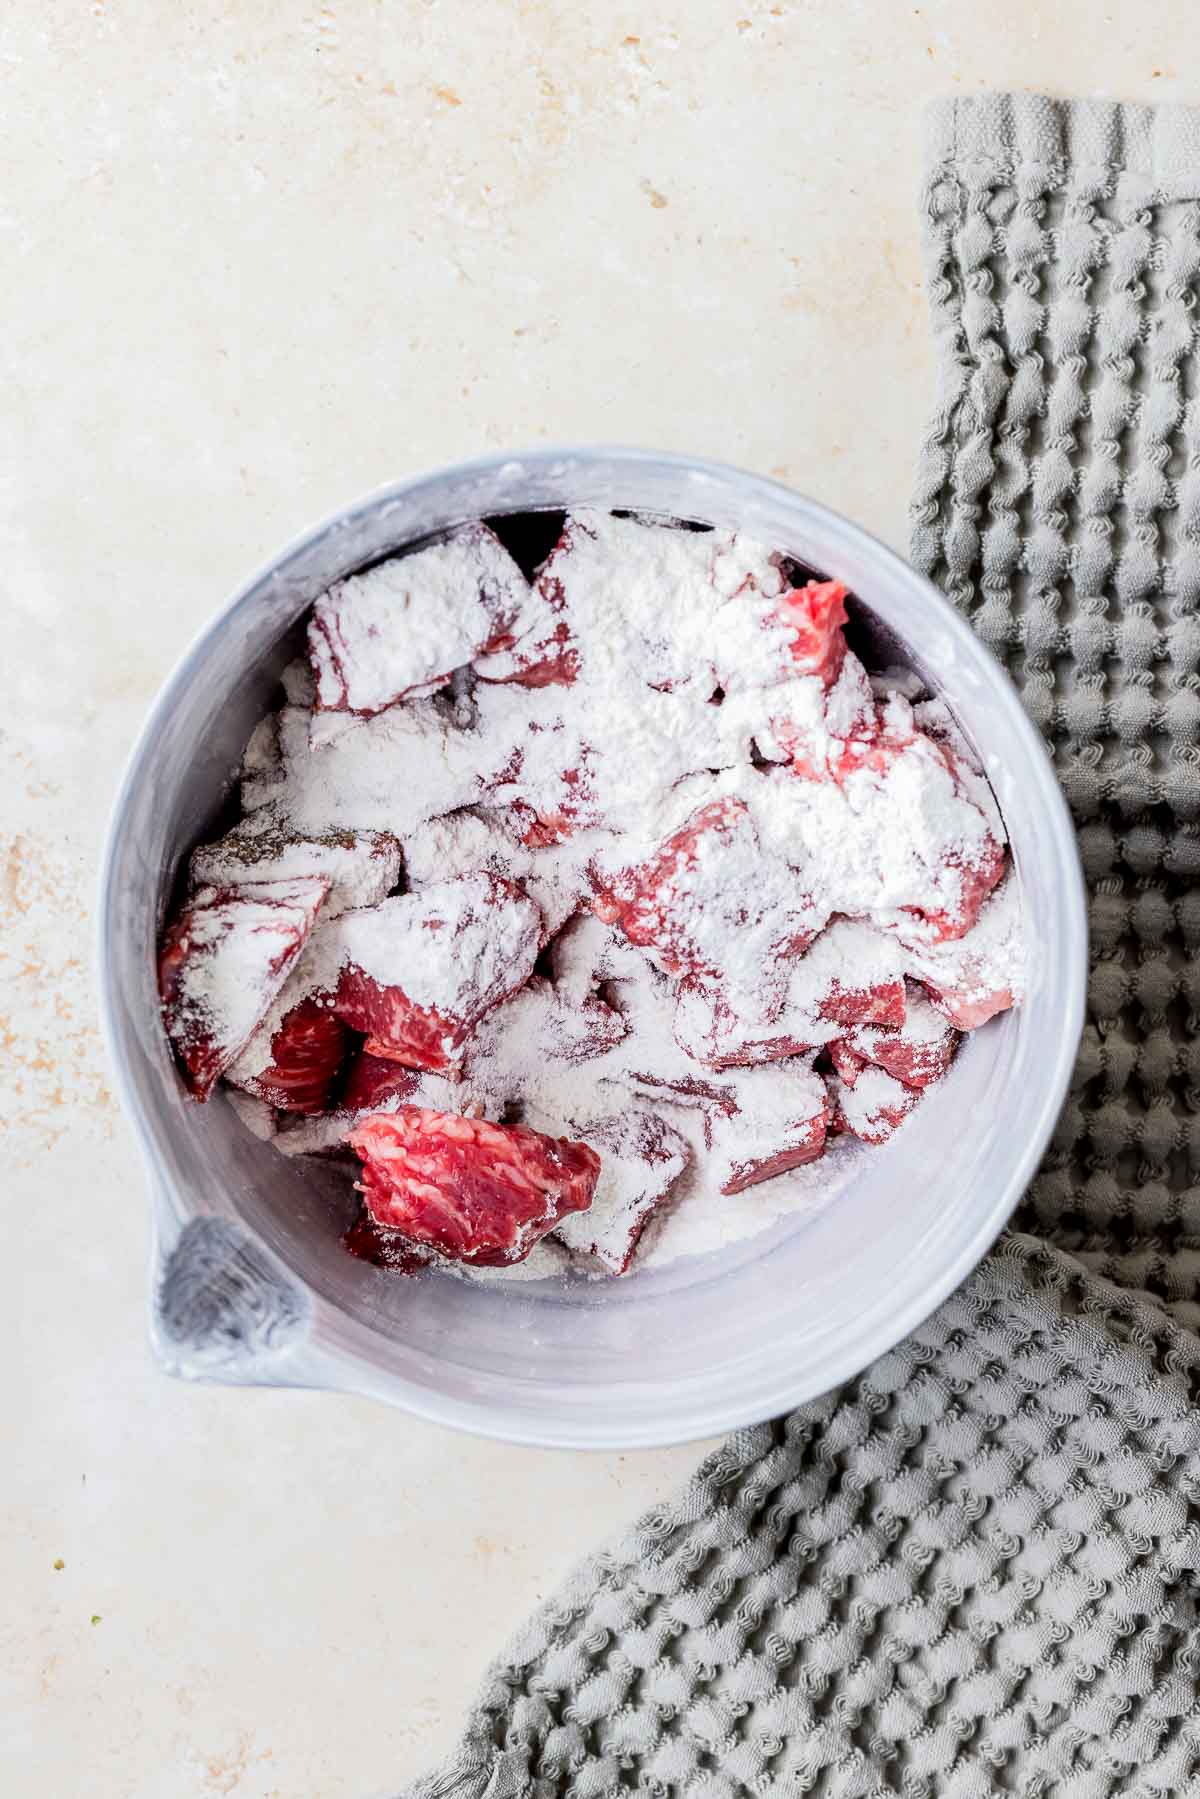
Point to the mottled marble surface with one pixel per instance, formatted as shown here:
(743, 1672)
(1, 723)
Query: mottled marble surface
(260, 258)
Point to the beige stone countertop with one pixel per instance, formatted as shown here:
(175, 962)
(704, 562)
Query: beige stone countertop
(259, 258)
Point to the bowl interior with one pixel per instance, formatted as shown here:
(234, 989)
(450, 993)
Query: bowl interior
(709, 1342)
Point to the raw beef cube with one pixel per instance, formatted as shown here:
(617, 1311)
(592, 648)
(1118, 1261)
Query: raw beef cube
(902, 837)
(969, 1007)
(646, 1002)
(223, 961)
(846, 1062)
(538, 649)
(780, 1123)
(873, 1105)
(804, 1143)
(971, 857)
(851, 716)
(814, 616)
(521, 1060)
(712, 1029)
(976, 879)
(632, 592)
(591, 582)
(825, 732)
(973, 977)
(472, 840)
(468, 1189)
(641, 1159)
(362, 866)
(715, 1101)
(544, 791)
(420, 971)
(543, 805)
(917, 1052)
(859, 983)
(295, 1055)
(542, 1025)
(587, 952)
(709, 898)
(769, 634)
(363, 778)
(374, 1081)
(554, 880)
(850, 975)
(297, 1068)
(668, 905)
(400, 629)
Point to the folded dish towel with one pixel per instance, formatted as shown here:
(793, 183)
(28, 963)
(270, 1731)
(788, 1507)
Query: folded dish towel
(976, 1569)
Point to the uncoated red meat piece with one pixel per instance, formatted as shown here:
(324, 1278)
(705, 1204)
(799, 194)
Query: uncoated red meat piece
(372, 1081)
(221, 964)
(641, 1160)
(305, 1058)
(468, 1189)
(401, 629)
(422, 969)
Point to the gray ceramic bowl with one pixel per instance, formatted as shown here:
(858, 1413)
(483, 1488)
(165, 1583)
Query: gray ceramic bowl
(251, 1284)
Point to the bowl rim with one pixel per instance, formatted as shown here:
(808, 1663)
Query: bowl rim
(335, 1364)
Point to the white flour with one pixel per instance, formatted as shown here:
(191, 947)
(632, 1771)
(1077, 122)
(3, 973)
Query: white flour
(448, 943)
(732, 807)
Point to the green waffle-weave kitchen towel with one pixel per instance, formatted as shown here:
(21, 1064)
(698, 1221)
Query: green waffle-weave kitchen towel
(976, 1569)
